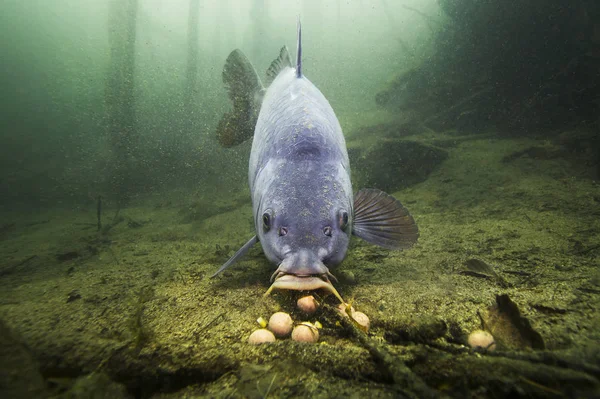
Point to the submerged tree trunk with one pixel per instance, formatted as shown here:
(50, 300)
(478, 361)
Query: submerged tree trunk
(119, 96)
(191, 76)
(222, 33)
(258, 16)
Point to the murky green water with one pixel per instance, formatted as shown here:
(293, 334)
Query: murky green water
(118, 202)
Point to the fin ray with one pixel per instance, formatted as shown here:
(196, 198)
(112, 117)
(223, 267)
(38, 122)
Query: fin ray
(237, 256)
(299, 51)
(382, 220)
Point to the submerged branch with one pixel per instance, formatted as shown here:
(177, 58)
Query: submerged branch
(429, 20)
(411, 384)
(458, 105)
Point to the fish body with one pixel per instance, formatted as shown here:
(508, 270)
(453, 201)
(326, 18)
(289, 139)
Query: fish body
(299, 176)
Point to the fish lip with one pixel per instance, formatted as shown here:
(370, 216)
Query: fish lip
(288, 281)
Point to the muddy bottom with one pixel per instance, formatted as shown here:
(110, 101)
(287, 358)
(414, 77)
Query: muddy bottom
(509, 244)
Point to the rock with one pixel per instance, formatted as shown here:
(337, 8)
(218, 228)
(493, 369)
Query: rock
(392, 164)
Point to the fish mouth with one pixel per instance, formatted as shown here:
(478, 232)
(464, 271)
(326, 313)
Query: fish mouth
(285, 281)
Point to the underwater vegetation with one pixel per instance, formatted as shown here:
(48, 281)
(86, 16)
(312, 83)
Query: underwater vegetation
(514, 65)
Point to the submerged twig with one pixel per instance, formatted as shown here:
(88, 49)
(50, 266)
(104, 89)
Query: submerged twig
(544, 357)
(550, 359)
(116, 216)
(37, 222)
(429, 20)
(114, 255)
(116, 220)
(459, 104)
(99, 212)
(210, 323)
(266, 394)
(400, 373)
(393, 24)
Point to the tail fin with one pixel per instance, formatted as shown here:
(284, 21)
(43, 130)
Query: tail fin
(299, 53)
(245, 89)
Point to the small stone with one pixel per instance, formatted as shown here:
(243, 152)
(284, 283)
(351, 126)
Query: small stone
(73, 296)
(305, 332)
(307, 304)
(281, 324)
(346, 277)
(481, 340)
(261, 336)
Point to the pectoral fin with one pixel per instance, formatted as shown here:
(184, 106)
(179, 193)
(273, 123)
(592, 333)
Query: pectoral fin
(239, 254)
(382, 220)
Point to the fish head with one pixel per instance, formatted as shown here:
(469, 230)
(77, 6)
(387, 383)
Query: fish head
(301, 243)
(305, 229)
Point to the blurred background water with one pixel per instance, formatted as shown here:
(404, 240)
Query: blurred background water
(64, 63)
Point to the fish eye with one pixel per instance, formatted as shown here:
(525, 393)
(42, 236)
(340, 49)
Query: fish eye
(266, 219)
(327, 231)
(343, 220)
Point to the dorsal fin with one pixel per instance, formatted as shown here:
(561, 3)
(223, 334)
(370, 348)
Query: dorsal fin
(278, 64)
(299, 53)
(244, 88)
